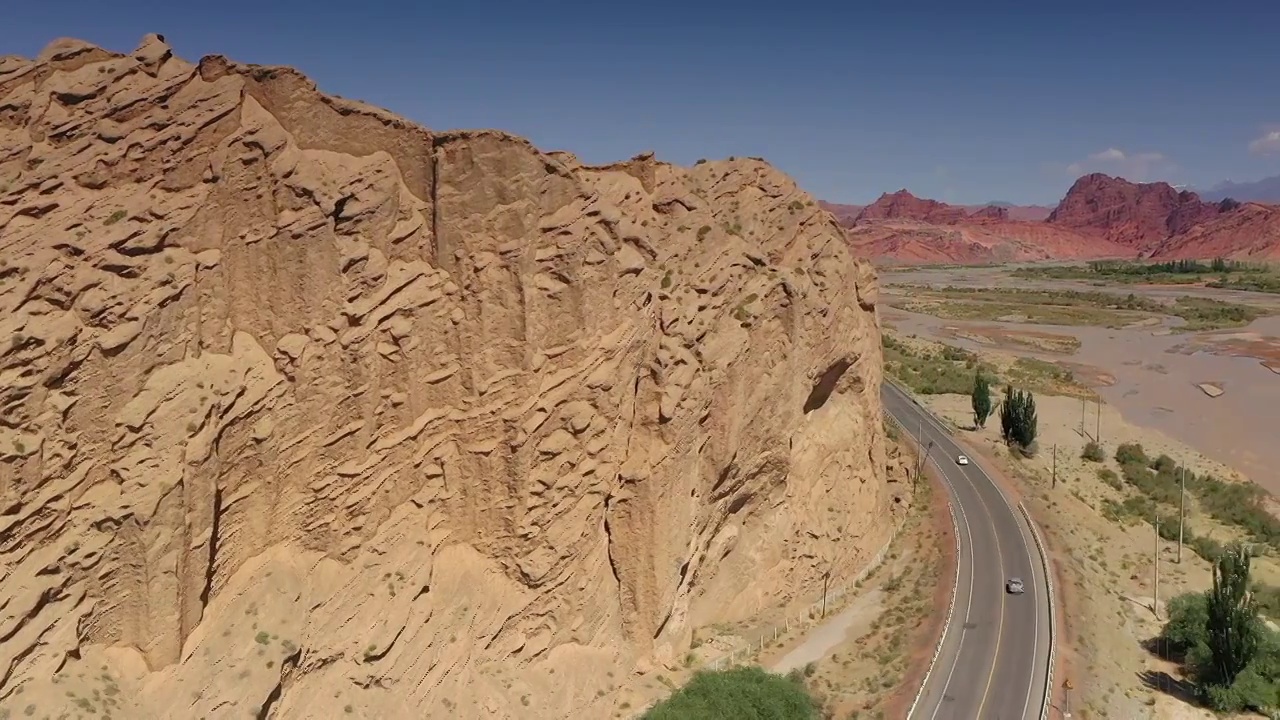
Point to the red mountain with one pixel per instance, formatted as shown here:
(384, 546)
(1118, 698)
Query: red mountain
(1249, 232)
(990, 212)
(902, 205)
(1100, 216)
(1138, 215)
(847, 215)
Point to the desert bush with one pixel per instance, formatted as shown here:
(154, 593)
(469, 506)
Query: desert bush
(1108, 476)
(1131, 453)
(1093, 452)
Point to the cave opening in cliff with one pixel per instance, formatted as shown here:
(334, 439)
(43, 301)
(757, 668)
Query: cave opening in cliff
(826, 385)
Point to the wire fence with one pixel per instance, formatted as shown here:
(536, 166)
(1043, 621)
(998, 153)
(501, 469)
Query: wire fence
(810, 614)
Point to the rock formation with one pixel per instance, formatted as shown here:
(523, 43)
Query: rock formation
(1248, 232)
(993, 213)
(902, 205)
(309, 412)
(1138, 215)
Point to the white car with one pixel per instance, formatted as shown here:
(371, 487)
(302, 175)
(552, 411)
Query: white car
(1014, 586)
(962, 460)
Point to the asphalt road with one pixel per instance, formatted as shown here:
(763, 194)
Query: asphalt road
(995, 654)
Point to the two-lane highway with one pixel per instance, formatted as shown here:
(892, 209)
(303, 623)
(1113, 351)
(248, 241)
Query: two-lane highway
(995, 653)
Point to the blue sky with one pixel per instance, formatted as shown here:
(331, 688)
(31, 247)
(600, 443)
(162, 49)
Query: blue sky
(966, 102)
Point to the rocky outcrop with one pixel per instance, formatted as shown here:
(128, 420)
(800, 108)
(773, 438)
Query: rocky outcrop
(1248, 232)
(902, 205)
(993, 213)
(1137, 215)
(306, 407)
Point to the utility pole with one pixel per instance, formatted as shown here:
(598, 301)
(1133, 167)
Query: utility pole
(1097, 433)
(1182, 507)
(1155, 590)
(1055, 466)
(1082, 401)
(825, 577)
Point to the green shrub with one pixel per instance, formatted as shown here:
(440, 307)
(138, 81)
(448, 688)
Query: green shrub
(1131, 453)
(1108, 476)
(1093, 452)
(747, 692)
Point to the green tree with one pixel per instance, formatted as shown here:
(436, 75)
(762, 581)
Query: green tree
(981, 399)
(1232, 624)
(1008, 414)
(747, 693)
(1018, 420)
(1188, 622)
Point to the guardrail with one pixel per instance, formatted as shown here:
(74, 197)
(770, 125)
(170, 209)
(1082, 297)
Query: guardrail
(951, 609)
(1042, 550)
(1053, 618)
(955, 586)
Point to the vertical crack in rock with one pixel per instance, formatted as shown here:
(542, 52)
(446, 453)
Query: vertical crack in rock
(287, 666)
(211, 567)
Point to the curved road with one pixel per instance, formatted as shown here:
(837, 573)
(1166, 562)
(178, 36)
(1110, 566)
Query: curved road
(995, 654)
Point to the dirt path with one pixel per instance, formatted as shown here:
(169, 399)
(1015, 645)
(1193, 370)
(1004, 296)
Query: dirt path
(849, 625)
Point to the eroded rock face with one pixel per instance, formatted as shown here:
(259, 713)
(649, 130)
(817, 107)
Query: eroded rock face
(306, 407)
(1137, 215)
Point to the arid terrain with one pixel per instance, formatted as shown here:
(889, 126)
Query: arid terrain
(311, 412)
(1099, 217)
(1142, 365)
(1204, 399)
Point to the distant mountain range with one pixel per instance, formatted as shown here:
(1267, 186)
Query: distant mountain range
(1100, 217)
(846, 213)
(1266, 190)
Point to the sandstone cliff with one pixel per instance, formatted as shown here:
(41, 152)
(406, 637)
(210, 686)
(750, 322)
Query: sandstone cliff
(311, 412)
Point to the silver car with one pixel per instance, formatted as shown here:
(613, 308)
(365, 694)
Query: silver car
(1014, 586)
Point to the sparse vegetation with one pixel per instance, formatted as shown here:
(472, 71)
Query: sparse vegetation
(948, 370)
(115, 217)
(703, 231)
(747, 692)
(1073, 307)
(1157, 480)
(1093, 452)
(1216, 273)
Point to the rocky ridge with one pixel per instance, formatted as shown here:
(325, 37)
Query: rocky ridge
(1137, 215)
(306, 407)
(1100, 217)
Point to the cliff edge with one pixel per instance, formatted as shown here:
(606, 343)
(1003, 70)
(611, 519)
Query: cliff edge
(308, 408)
